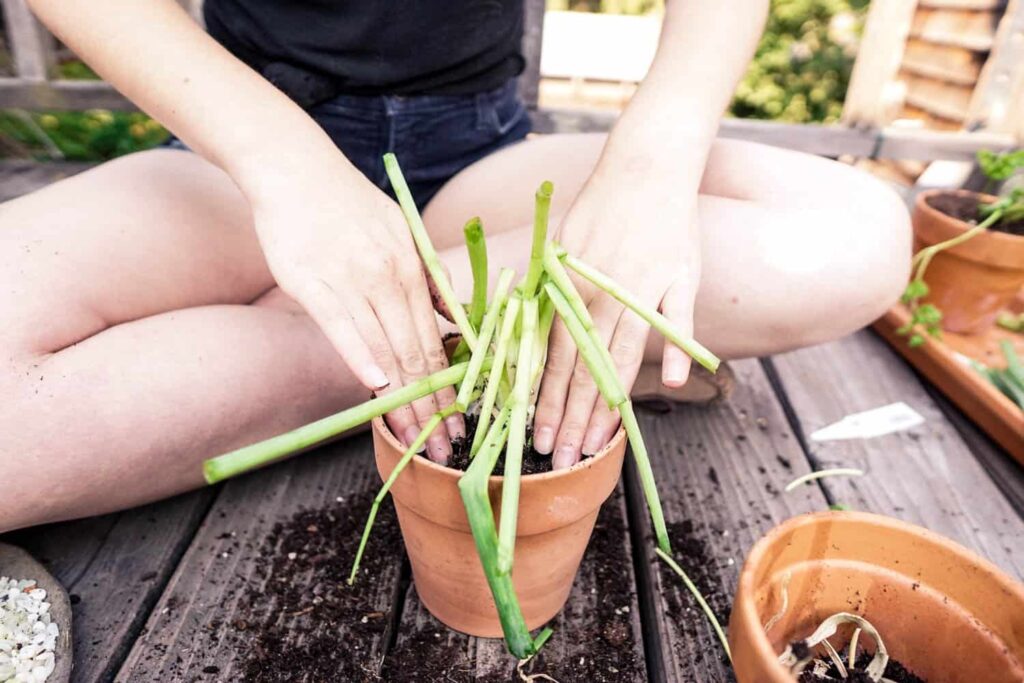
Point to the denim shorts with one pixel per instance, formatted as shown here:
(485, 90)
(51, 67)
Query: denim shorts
(433, 136)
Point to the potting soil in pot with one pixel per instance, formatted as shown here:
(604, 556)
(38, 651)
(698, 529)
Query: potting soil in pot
(533, 462)
(965, 208)
(894, 671)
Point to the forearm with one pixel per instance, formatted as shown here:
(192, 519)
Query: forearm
(704, 50)
(155, 54)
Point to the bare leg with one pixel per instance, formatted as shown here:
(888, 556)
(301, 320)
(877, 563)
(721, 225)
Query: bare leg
(129, 351)
(796, 249)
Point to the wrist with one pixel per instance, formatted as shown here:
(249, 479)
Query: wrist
(672, 148)
(298, 165)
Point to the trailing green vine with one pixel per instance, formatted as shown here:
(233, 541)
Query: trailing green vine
(925, 317)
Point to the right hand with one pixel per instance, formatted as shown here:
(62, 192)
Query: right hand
(341, 248)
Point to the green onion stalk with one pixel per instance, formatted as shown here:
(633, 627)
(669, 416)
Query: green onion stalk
(426, 249)
(516, 438)
(476, 248)
(501, 362)
(490, 320)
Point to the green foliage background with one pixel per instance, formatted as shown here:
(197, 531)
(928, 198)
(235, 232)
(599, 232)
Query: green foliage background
(803, 63)
(799, 74)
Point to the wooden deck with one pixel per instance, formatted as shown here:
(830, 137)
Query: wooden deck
(175, 591)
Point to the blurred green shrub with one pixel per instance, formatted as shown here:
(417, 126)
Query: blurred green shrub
(94, 135)
(802, 66)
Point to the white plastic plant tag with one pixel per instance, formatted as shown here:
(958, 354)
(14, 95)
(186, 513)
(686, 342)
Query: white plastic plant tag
(894, 417)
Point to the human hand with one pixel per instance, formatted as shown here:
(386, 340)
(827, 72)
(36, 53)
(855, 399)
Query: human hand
(638, 228)
(341, 248)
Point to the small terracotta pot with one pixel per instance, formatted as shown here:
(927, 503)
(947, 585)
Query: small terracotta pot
(971, 282)
(942, 611)
(557, 511)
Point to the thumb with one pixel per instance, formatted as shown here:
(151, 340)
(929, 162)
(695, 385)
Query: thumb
(677, 306)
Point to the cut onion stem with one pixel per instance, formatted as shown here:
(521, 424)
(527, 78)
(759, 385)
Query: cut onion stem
(497, 372)
(540, 233)
(656, 320)
(426, 249)
(473, 489)
(264, 452)
(490, 321)
(516, 438)
(476, 245)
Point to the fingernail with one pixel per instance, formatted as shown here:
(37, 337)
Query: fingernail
(438, 449)
(456, 426)
(564, 457)
(378, 378)
(410, 435)
(544, 440)
(673, 376)
(594, 441)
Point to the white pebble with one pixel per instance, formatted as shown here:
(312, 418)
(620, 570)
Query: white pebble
(28, 637)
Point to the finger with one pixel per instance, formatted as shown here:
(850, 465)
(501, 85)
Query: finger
(677, 306)
(554, 388)
(433, 347)
(392, 309)
(337, 323)
(401, 421)
(627, 351)
(583, 392)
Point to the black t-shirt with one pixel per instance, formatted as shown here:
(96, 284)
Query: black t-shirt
(315, 49)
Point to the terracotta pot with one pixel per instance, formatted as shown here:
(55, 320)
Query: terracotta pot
(973, 281)
(942, 611)
(557, 511)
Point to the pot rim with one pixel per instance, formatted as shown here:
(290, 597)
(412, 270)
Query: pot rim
(747, 612)
(381, 427)
(922, 205)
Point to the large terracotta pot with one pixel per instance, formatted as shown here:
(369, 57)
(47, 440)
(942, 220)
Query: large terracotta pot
(971, 282)
(557, 511)
(942, 611)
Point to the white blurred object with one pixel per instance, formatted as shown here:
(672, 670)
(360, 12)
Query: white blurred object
(603, 47)
(894, 417)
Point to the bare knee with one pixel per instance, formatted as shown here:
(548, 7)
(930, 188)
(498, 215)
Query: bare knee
(870, 259)
(800, 268)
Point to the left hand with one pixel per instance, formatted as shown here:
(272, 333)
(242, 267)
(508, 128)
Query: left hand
(637, 226)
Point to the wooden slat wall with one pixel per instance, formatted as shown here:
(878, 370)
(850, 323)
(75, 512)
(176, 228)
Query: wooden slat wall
(998, 100)
(870, 97)
(950, 41)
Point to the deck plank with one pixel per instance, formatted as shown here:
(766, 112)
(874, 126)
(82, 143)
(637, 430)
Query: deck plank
(926, 475)
(721, 469)
(114, 568)
(255, 599)
(592, 622)
(1005, 472)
